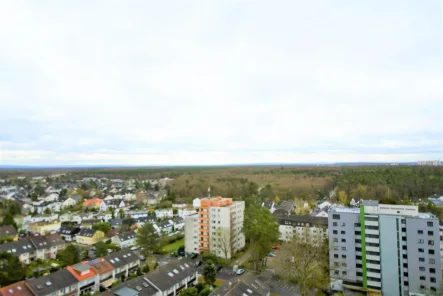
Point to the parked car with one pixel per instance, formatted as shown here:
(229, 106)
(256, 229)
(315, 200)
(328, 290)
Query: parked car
(134, 248)
(271, 254)
(198, 263)
(240, 271)
(276, 247)
(193, 256)
(142, 258)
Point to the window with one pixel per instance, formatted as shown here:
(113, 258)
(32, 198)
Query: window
(406, 283)
(358, 265)
(335, 240)
(430, 223)
(358, 257)
(421, 259)
(335, 255)
(343, 224)
(344, 264)
(420, 231)
(432, 279)
(422, 278)
(430, 232)
(343, 248)
(336, 264)
(420, 241)
(343, 240)
(359, 273)
(421, 268)
(431, 261)
(334, 232)
(334, 223)
(421, 250)
(343, 256)
(336, 272)
(343, 232)
(431, 252)
(431, 242)
(432, 270)
(405, 256)
(344, 272)
(337, 217)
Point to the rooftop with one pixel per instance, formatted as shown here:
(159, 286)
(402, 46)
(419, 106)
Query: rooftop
(51, 283)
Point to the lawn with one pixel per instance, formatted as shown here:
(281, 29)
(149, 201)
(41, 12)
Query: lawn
(174, 246)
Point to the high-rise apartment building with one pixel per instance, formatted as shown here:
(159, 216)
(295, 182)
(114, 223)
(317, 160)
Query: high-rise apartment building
(384, 249)
(216, 228)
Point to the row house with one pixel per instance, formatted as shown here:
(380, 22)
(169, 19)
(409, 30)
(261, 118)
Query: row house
(69, 233)
(58, 283)
(8, 231)
(164, 213)
(166, 280)
(182, 213)
(125, 262)
(88, 281)
(89, 237)
(36, 247)
(124, 240)
(42, 228)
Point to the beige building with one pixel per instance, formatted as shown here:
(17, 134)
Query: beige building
(216, 228)
(44, 228)
(310, 229)
(89, 236)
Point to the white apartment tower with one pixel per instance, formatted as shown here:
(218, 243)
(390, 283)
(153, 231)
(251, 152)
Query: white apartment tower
(382, 249)
(216, 228)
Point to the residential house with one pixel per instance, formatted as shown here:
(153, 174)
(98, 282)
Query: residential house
(136, 214)
(115, 203)
(115, 223)
(51, 197)
(168, 279)
(124, 263)
(16, 289)
(89, 236)
(182, 213)
(270, 205)
(164, 227)
(88, 281)
(43, 228)
(179, 205)
(125, 239)
(96, 204)
(58, 283)
(43, 206)
(164, 213)
(285, 208)
(23, 249)
(8, 231)
(69, 202)
(104, 270)
(249, 286)
(67, 217)
(88, 223)
(39, 218)
(105, 217)
(178, 223)
(142, 220)
(69, 233)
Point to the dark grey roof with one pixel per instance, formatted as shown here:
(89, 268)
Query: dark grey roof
(86, 232)
(39, 242)
(55, 240)
(125, 291)
(178, 220)
(7, 230)
(138, 284)
(163, 224)
(66, 230)
(19, 247)
(295, 220)
(121, 258)
(126, 235)
(115, 222)
(172, 273)
(113, 202)
(51, 283)
(287, 205)
(236, 287)
(145, 219)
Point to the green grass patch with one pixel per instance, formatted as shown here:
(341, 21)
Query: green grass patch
(174, 246)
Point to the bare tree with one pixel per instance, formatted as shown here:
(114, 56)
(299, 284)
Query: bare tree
(224, 240)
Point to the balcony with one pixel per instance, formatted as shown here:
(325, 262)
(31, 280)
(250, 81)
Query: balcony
(203, 224)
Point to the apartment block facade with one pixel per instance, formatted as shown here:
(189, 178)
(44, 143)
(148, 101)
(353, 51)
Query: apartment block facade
(310, 229)
(216, 228)
(382, 249)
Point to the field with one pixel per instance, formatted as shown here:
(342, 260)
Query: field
(174, 246)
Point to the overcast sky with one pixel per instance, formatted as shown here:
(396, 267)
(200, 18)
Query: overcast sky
(219, 82)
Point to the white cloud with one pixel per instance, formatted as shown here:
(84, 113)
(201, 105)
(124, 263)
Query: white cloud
(216, 79)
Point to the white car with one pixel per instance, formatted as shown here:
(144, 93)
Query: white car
(240, 271)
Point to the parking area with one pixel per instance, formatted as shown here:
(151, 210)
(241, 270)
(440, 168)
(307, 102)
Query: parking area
(275, 283)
